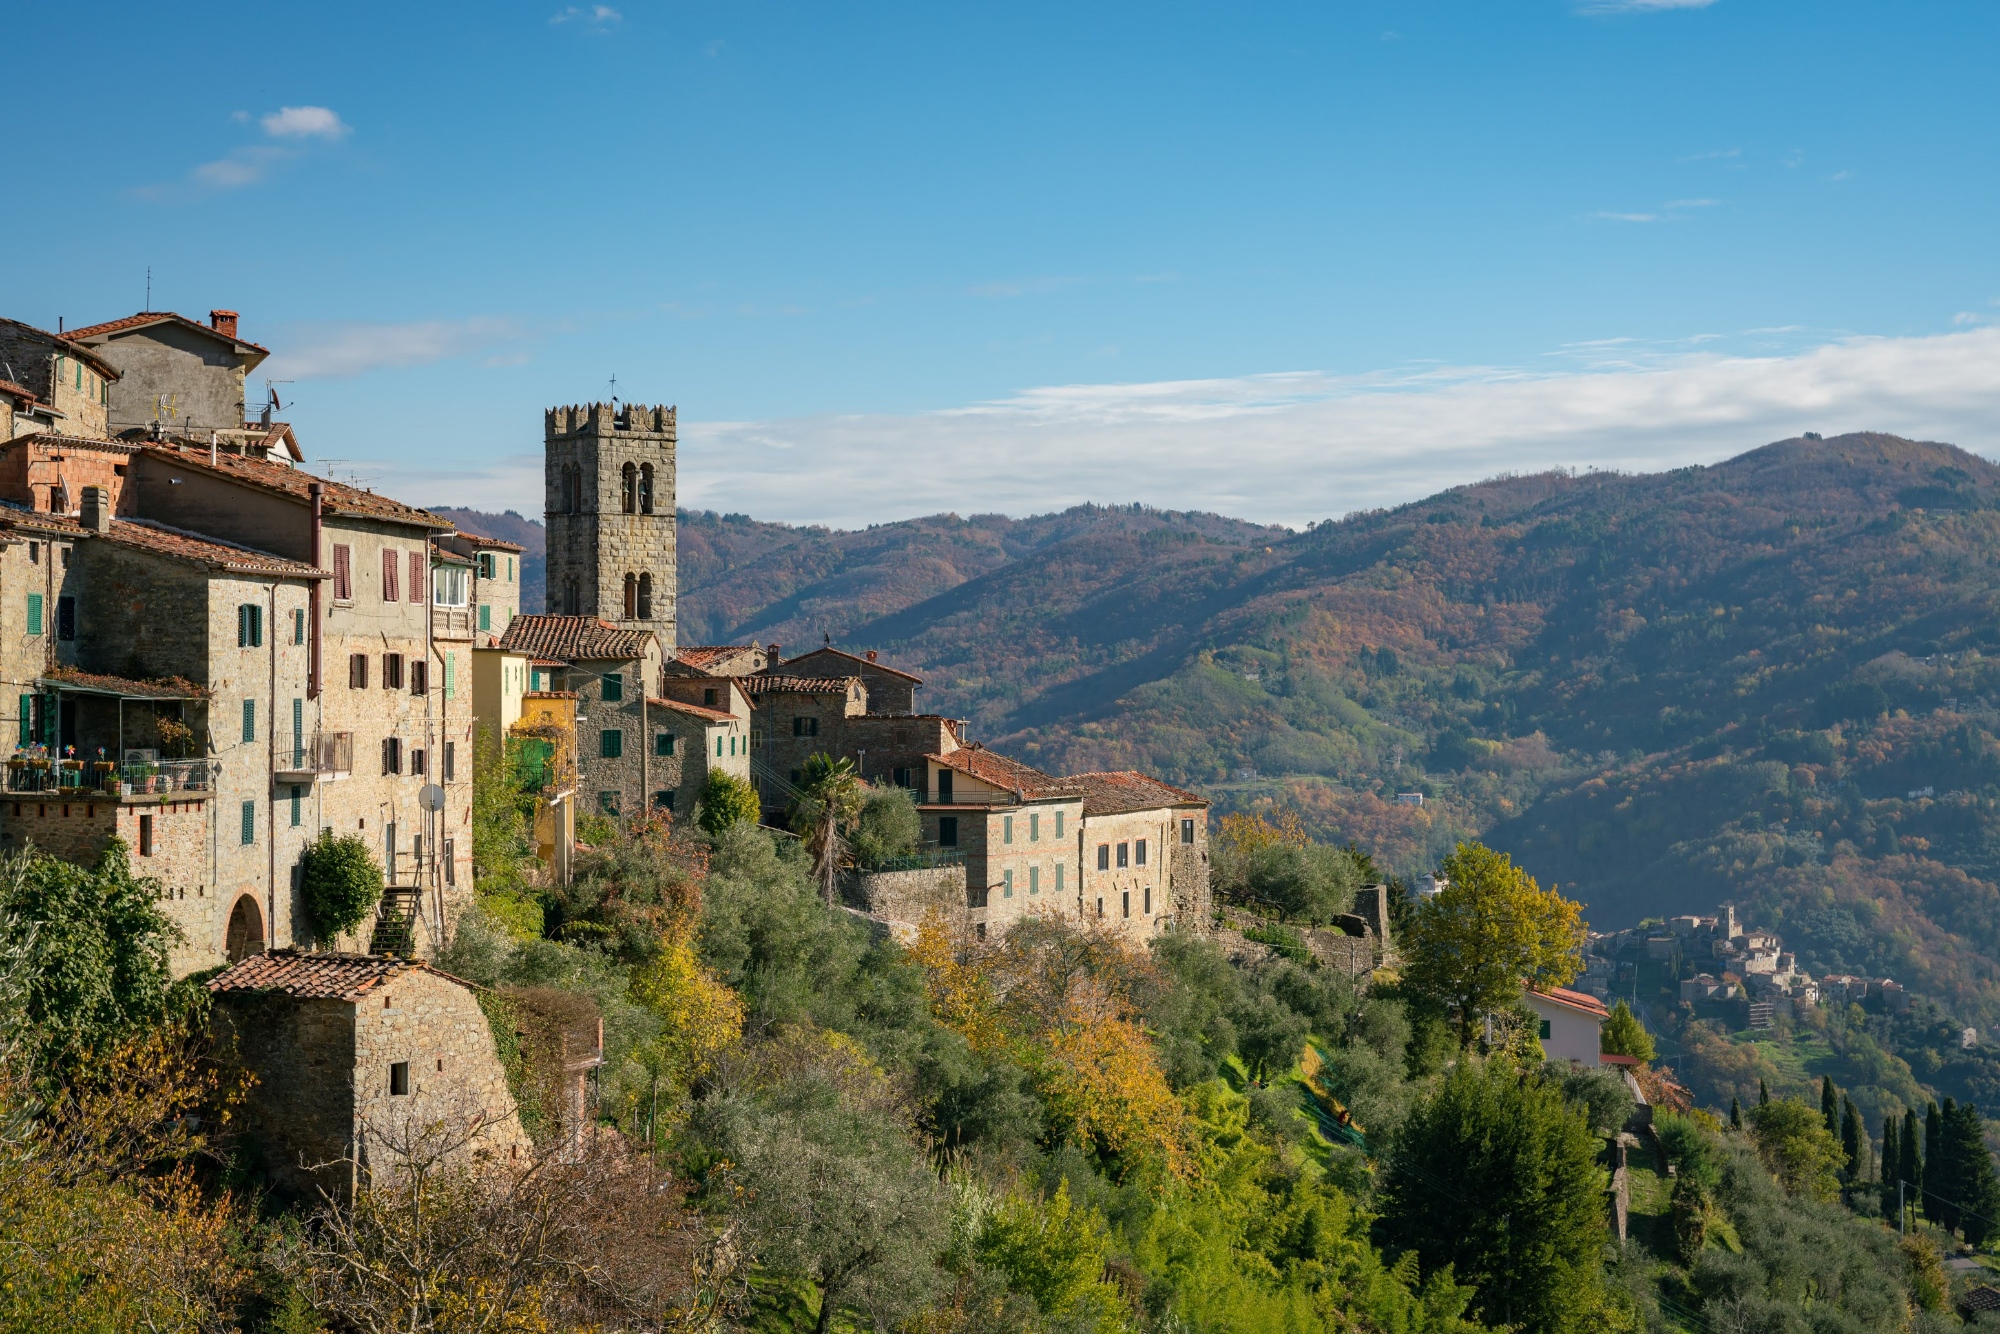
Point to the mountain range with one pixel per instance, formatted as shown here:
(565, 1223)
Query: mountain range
(1775, 680)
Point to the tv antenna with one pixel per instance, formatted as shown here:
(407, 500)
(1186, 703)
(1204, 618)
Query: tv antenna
(614, 388)
(149, 289)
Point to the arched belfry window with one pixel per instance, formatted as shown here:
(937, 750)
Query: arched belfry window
(575, 598)
(631, 593)
(568, 505)
(631, 489)
(645, 597)
(646, 490)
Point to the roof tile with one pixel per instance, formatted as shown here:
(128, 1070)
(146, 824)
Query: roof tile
(336, 497)
(307, 976)
(573, 638)
(145, 318)
(1127, 790)
(780, 683)
(1023, 780)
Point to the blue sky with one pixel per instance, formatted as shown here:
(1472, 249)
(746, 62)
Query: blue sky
(1281, 260)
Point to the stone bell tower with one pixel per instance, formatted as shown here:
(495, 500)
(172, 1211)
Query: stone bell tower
(609, 473)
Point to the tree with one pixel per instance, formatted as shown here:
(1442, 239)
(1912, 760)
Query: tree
(1892, 1162)
(725, 801)
(700, 1019)
(1763, 1094)
(505, 792)
(830, 800)
(1496, 1175)
(888, 826)
(340, 882)
(1735, 1114)
(1975, 1187)
(1853, 1142)
(1624, 1035)
(1935, 1166)
(1909, 1159)
(1470, 948)
(1829, 1105)
(1054, 1251)
(1801, 1152)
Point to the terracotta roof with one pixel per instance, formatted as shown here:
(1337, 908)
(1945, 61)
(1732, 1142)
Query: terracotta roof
(1985, 1297)
(343, 977)
(545, 662)
(480, 540)
(1613, 1058)
(701, 655)
(442, 556)
(1127, 790)
(92, 683)
(337, 498)
(1575, 1000)
(1023, 780)
(158, 537)
(781, 683)
(13, 390)
(865, 662)
(551, 694)
(140, 321)
(695, 710)
(574, 637)
(59, 440)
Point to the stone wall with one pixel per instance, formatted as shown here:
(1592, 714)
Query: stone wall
(187, 380)
(1134, 898)
(1040, 863)
(1189, 890)
(901, 899)
(593, 546)
(299, 1116)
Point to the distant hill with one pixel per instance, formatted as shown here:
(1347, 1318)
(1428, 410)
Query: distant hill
(510, 527)
(1767, 680)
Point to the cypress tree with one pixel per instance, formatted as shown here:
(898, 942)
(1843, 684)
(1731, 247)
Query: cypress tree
(1763, 1094)
(1978, 1188)
(1936, 1169)
(1908, 1161)
(1892, 1160)
(1855, 1140)
(1829, 1105)
(1735, 1114)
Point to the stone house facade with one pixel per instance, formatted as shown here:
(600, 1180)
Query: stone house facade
(494, 587)
(353, 1055)
(612, 671)
(609, 476)
(1017, 830)
(1144, 852)
(884, 689)
(689, 741)
(175, 372)
(73, 383)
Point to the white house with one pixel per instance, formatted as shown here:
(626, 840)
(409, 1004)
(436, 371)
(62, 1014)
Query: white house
(1570, 1023)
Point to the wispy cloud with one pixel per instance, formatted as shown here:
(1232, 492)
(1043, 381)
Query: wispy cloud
(1712, 154)
(304, 123)
(1667, 212)
(1626, 217)
(1692, 203)
(295, 129)
(336, 349)
(1638, 6)
(592, 18)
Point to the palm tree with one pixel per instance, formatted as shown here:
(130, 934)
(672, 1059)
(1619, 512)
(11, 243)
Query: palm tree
(830, 798)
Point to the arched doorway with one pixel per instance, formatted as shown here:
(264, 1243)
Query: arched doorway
(246, 929)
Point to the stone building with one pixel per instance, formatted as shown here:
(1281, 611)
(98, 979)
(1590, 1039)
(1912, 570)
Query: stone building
(609, 474)
(176, 374)
(689, 741)
(71, 383)
(354, 1056)
(1145, 850)
(884, 689)
(494, 586)
(611, 670)
(1019, 830)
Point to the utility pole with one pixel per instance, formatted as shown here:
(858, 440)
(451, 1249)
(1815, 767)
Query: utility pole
(1900, 1214)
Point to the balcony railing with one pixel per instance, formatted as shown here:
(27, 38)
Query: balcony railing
(324, 754)
(93, 777)
(451, 622)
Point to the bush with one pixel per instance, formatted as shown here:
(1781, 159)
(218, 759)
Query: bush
(726, 800)
(887, 827)
(340, 881)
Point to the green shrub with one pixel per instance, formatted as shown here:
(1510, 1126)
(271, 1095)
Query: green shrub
(887, 827)
(726, 800)
(340, 881)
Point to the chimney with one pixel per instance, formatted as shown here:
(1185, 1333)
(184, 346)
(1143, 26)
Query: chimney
(223, 322)
(97, 509)
(771, 658)
(871, 655)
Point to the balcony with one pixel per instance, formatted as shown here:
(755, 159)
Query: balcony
(328, 755)
(451, 622)
(74, 780)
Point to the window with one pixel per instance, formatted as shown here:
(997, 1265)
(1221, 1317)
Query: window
(1059, 877)
(298, 733)
(485, 616)
(1100, 908)
(298, 796)
(629, 488)
(614, 687)
(901, 777)
(805, 727)
(1125, 903)
(663, 743)
(645, 488)
(1034, 880)
(732, 743)
(645, 597)
(450, 761)
(485, 565)
(1544, 1033)
(1034, 828)
(708, 695)
(145, 836)
(611, 744)
(1187, 831)
(1124, 854)
(1103, 856)
(1149, 900)
(392, 755)
(947, 831)
(399, 1079)
(65, 618)
(510, 569)
(1059, 816)
(249, 720)
(1007, 883)
(663, 800)
(249, 626)
(34, 553)
(416, 576)
(34, 613)
(1139, 853)
(448, 586)
(420, 677)
(249, 822)
(343, 573)
(392, 671)
(718, 745)
(390, 565)
(299, 625)
(357, 671)
(607, 803)
(451, 861)
(944, 786)
(1006, 829)
(418, 761)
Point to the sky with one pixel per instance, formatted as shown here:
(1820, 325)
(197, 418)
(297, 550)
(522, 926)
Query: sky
(1282, 261)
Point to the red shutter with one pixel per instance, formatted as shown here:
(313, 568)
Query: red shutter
(389, 566)
(416, 576)
(343, 573)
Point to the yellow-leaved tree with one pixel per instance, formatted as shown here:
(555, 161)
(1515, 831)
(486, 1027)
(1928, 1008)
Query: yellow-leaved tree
(1492, 930)
(700, 1019)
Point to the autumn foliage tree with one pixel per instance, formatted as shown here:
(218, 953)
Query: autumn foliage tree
(1471, 948)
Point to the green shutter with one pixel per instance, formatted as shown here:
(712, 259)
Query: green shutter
(27, 718)
(298, 734)
(450, 675)
(297, 792)
(34, 613)
(614, 687)
(249, 822)
(249, 720)
(611, 744)
(485, 616)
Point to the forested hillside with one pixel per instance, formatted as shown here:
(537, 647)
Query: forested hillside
(1765, 680)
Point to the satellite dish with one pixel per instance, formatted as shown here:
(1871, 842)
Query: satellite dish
(431, 798)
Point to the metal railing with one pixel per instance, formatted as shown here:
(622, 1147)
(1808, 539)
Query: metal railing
(922, 860)
(93, 776)
(324, 753)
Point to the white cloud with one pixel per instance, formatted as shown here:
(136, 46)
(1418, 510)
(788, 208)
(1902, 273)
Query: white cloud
(244, 166)
(1638, 6)
(1626, 217)
(1692, 203)
(304, 123)
(596, 18)
(1297, 446)
(333, 350)
(1968, 317)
